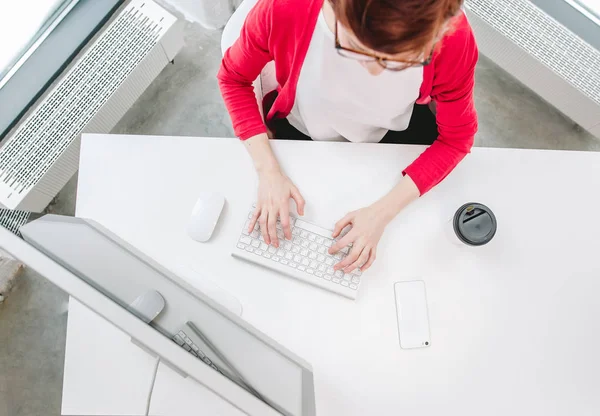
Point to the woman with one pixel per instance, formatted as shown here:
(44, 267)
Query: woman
(357, 70)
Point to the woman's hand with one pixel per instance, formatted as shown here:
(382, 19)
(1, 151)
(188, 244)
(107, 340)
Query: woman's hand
(367, 227)
(274, 193)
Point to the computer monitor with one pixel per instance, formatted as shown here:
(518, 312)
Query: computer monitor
(107, 274)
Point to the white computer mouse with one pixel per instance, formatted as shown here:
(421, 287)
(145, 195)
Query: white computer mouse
(205, 216)
(148, 305)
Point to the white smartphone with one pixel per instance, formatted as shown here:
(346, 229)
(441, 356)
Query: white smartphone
(412, 313)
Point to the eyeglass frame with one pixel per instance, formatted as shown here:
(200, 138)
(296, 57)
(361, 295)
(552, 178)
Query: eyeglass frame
(381, 61)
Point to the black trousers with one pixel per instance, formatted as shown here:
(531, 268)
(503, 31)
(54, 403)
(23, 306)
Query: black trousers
(422, 129)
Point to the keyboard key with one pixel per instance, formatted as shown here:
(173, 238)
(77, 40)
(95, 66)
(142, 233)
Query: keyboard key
(272, 250)
(335, 280)
(327, 277)
(258, 252)
(296, 231)
(287, 246)
(345, 250)
(254, 234)
(344, 283)
(193, 353)
(355, 280)
(311, 271)
(339, 274)
(320, 258)
(245, 240)
(312, 228)
(295, 249)
(346, 277)
(284, 261)
(322, 250)
(304, 243)
(314, 264)
(320, 240)
(311, 237)
(312, 255)
(305, 262)
(322, 268)
(293, 265)
(267, 254)
(292, 221)
(356, 272)
(313, 246)
(280, 253)
(302, 268)
(280, 234)
(304, 252)
(329, 261)
(255, 243)
(178, 340)
(261, 238)
(303, 234)
(186, 347)
(241, 246)
(275, 258)
(250, 249)
(338, 256)
(319, 274)
(353, 286)
(327, 243)
(264, 247)
(297, 258)
(289, 255)
(330, 270)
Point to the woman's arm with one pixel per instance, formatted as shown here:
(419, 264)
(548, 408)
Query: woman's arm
(452, 92)
(241, 66)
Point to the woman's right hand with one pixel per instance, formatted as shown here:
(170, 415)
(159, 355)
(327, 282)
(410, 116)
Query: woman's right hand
(274, 193)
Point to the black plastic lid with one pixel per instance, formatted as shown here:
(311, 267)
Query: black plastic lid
(475, 224)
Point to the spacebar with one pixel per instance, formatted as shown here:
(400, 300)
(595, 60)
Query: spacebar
(313, 228)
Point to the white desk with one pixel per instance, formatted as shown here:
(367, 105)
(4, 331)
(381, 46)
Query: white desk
(514, 324)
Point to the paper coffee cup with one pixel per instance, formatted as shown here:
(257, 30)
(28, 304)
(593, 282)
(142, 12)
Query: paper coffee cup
(473, 224)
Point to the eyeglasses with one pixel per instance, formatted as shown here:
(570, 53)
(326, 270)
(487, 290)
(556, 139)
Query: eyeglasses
(389, 64)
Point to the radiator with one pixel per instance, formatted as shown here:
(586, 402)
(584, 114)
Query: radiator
(541, 53)
(41, 153)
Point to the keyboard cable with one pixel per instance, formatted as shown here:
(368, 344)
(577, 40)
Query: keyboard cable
(151, 389)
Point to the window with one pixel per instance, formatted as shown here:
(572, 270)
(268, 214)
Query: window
(591, 8)
(591, 5)
(23, 24)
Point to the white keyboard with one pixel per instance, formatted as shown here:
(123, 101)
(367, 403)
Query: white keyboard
(305, 257)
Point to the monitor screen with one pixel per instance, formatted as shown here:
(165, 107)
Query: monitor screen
(122, 273)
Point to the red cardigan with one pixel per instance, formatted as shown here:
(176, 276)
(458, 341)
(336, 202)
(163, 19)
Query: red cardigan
(281, 31)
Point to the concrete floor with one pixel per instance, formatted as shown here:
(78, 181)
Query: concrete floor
(184, 100)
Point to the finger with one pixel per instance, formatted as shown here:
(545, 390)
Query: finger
(272, 227)
(350, 258)
(299, 200)
(262, 221)
(343, 242)
(284, 218)
(341, 224)
(362, 259)
(370, 261)
(253, 220)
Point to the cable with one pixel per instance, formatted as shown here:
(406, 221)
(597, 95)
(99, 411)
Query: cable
(151, 389)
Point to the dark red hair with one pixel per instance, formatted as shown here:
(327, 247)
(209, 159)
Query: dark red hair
(395, 26)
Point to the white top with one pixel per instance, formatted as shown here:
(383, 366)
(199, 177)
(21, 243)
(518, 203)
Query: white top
(515, 319)
(337, 98)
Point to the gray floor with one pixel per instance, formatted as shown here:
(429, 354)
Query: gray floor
(184, 100)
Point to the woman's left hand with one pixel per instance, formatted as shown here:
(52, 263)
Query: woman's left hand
(367, 227)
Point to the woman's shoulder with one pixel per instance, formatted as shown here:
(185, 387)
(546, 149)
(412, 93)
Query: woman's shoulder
(460, 34)
(292, 11)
